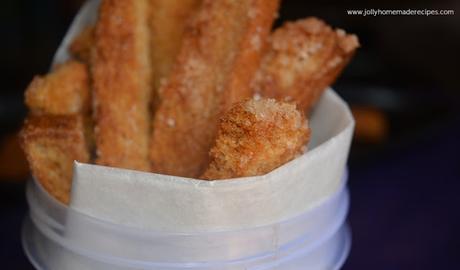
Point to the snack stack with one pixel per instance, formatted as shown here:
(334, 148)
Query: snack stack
(153, 100)
(162, 74)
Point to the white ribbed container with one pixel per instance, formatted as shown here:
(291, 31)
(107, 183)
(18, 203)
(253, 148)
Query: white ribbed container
(316, 239)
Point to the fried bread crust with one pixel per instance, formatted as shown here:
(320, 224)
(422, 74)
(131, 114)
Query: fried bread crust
(255, 137)
(122, 84)
(52, 144)
(220, 54)
(63, 91)
(304, 58)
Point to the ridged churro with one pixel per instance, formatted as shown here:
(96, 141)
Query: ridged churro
(255, 137)
(304, 57)
(122, 84)
(220, 54)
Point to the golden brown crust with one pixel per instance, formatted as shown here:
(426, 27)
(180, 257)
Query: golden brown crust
(261, 14)
(304, 58)
(256, 137)
(121, 75)
(167, 25)
(51, 144)
(63, 91)
(220, 53)
(82, 45)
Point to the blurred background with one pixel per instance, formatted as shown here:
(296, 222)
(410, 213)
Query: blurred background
(404, 89)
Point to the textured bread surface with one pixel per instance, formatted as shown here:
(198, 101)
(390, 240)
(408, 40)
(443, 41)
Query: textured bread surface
(82, 46)
(304, 58)
(63, 91)
(52, 144)
(122, 84)
(167, 25)
(220, 54)
(256, 137)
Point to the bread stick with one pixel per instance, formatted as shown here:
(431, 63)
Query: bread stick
(63, 91)
(51, 144)
(167, 24)
(303, 59)
(256, 137)
(82, 46)
(122, 84)
(220, 54)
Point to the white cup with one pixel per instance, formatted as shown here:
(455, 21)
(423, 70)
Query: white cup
(58, 237)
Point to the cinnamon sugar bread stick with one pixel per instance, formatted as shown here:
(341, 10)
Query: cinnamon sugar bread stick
(220, 54)
(122, 84)
(52, 143)
(255, 137)
(167, 25)
(304, 57)
(63, 91)
(82, 45)
(57, 130)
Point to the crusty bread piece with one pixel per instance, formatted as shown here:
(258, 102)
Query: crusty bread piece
(51, 144)
(82, 46)
(122, 85)
(255, 137)
(63, 91)
(167, 24)
(304, 57)
(220, 54)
